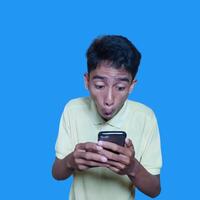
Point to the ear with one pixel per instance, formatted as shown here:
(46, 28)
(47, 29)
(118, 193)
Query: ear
(86, 80)
(132, 85)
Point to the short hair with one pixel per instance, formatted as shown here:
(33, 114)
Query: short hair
(117, 50)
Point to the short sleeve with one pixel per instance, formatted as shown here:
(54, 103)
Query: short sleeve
(64, 140)
(152, 158)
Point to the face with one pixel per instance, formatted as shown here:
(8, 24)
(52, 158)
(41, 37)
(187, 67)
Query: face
(109, 88)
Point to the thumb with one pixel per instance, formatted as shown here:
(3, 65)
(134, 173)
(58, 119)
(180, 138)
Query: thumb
(128, 142)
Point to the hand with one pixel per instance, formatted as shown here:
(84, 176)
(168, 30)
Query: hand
(86, 156)
(123, 161)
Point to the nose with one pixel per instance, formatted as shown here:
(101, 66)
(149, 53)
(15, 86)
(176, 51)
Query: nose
(109, 98)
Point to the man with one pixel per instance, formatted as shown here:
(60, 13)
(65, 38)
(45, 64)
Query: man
(105, 170)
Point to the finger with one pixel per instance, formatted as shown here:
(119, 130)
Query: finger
(90, 163)
(129, 145)
(82, 167)
(116, 157)
(124, 159)
(111, 146)
(90, 156)
(116, 148)
(114, 169)
(88, 146)
(128, 142)
(92, 147)
(81, 150)
(109, 155)
(116, 165)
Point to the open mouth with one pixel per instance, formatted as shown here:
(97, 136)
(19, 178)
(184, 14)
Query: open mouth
(108, 114)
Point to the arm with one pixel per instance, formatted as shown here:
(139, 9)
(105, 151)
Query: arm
(82, 158)
(144, 181)
(61, 169)
(125, 163)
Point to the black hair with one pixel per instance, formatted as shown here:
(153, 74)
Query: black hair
(117, 50)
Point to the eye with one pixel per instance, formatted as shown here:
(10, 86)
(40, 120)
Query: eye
(121, 88)
(98, 87)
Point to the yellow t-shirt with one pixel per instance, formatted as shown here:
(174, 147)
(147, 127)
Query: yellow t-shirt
(80, 122)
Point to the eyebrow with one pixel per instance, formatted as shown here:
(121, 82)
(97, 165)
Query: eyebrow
(123, 79)
(104, 78)
(98, 77)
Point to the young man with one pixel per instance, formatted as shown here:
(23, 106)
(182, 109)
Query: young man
(105, 170)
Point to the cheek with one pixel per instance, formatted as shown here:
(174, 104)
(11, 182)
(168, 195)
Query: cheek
(121, 98)
(96, 96)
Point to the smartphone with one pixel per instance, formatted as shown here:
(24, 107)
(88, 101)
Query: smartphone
(117, 137)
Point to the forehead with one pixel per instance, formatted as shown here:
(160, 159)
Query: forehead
(109, 72)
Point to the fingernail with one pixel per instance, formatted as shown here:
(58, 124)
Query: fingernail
(99, 148)
(104, 159)
(100, 143)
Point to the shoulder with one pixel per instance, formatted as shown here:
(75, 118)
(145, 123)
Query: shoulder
(140, 108)
(141, 114)
(80, 103)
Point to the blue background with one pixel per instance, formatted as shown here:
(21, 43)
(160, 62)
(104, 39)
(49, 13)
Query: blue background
(42, 61)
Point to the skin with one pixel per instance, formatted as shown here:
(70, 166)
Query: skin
(109, 88)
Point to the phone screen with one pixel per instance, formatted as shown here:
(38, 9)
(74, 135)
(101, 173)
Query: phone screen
(117, 137)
